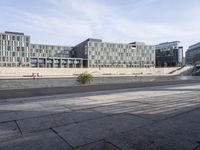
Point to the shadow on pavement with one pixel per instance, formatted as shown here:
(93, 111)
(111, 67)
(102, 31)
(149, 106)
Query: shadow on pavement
(104, 127)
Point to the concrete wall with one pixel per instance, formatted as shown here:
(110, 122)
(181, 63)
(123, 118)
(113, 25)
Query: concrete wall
(69, 72)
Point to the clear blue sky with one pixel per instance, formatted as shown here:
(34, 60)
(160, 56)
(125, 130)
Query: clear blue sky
(70, 21)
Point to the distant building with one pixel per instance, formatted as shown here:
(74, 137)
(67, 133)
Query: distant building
(193, 54)
(16, 50)
(53, 56)
(169, 54)
(99, 54)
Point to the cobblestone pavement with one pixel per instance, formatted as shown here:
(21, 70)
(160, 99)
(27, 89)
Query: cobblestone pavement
(151, 118)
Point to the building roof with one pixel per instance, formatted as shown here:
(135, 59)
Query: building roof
(17, 33)
(194, 46)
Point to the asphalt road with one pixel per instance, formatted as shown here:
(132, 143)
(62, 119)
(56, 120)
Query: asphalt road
(21, 93)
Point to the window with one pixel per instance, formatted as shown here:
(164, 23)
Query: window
(8, 48)
(27, 39)
(3, 37)
(18, 38)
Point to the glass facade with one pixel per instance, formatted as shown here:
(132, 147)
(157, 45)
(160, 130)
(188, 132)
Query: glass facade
(169, 54)
(193, 54)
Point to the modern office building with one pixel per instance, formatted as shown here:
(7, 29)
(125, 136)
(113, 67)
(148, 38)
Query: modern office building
(99, 54)
(53, 56)
(169, 54)
(193, 54)
(16, 50)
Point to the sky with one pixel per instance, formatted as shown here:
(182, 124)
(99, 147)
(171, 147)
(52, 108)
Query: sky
(69, 22)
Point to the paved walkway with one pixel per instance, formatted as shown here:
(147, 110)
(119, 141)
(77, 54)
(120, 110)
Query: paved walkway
(151, 118)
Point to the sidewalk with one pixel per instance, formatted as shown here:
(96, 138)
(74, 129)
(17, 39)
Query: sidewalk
(153, 118)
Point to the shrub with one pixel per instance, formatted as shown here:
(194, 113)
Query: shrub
(85, 78)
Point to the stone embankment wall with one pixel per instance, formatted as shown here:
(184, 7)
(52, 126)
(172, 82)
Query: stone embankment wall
(70, 72)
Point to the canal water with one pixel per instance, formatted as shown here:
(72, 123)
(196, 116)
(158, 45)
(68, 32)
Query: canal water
(42, 83)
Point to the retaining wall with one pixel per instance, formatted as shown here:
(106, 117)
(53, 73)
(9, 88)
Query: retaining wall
(68, 72)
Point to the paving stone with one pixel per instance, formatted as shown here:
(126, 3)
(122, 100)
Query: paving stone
(87, 104)
(79, 103)
(109, 146)
(39, 141)
(94, 130)
(106, 96)
(16, 115)
(158, 112)
(192, 116)
(144, 118)
(7, 130)
(64, 102)
(21, 106)
(181, 132)
(123, 107)
(50, 121)
(100, 145)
